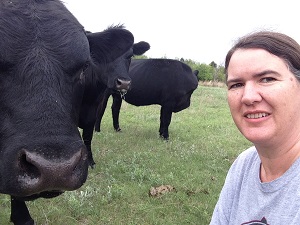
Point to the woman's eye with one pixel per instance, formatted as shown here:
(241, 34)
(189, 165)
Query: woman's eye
(237, 85)
(267, 79)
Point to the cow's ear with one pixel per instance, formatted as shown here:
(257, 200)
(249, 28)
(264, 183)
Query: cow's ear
(140, 48)
(196, 72)
(110, 44)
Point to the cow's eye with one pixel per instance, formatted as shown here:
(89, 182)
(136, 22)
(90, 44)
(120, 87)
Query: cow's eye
(85, 66)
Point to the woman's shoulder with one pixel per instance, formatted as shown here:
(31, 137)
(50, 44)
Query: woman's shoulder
(248, 154)
(246, 158)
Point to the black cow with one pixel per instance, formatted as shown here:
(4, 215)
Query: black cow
(44, 51)
(111, 76)
(166, 82)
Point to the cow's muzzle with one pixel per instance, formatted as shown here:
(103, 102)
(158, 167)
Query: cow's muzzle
(39, 174)
(123, 85)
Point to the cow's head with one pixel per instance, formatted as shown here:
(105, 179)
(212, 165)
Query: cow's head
(43, 51)
(112, 50)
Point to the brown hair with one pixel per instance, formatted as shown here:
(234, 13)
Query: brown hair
(275, 43)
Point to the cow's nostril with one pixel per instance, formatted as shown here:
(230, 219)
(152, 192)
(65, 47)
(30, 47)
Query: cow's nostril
(119, 82)
(27, 167)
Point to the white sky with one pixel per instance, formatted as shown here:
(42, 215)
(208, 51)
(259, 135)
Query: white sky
(199, 30)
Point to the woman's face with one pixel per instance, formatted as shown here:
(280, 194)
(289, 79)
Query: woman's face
(263, 96)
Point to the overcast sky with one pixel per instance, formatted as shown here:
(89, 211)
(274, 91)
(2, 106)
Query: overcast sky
(193, 29)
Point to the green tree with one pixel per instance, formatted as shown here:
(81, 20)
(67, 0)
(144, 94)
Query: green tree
(213, 64)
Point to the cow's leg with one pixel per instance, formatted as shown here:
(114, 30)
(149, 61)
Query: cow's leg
(87, 136)
(19, 213)
(115, 109)
(101, 109)
(165, 120)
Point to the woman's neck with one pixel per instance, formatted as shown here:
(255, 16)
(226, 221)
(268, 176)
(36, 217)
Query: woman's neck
(276, 161)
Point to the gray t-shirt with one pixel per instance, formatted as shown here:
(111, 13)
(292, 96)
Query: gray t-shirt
(244, 199)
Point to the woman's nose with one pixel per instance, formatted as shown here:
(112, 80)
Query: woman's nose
(251, 95)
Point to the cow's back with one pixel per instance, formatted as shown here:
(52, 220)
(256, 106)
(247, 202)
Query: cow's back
(156, 81)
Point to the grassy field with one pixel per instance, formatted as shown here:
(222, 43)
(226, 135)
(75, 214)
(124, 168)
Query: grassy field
(203, 144)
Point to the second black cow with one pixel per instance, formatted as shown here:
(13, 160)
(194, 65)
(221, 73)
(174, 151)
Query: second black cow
(166, 82)
(106, 73)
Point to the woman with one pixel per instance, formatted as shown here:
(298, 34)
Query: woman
(263, 80)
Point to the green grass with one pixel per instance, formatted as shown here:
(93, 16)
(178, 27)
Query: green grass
(203, 143)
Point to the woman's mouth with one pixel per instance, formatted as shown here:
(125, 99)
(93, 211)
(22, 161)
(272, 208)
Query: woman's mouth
(256, 115)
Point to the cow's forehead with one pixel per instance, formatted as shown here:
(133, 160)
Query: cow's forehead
(29, 28)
